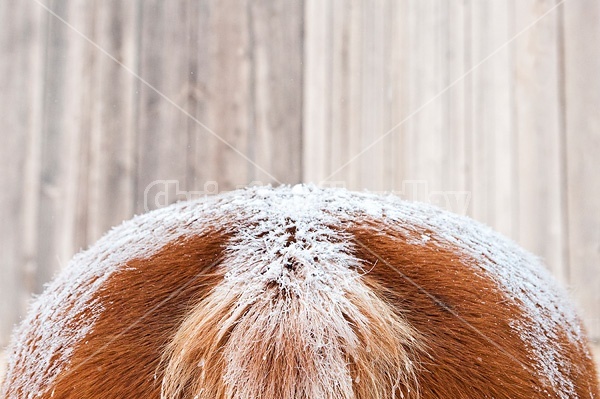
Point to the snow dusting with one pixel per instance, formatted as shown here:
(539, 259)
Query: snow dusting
(275, 229)
(54, 317)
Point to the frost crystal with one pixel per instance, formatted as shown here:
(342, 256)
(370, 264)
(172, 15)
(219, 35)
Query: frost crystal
(275, 230)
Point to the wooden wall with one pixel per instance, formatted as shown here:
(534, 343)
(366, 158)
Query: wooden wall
(490, 108)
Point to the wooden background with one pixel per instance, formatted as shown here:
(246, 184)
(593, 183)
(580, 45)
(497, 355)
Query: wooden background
(494, 102)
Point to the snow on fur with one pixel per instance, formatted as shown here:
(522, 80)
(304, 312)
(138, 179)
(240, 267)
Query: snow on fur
(291, 273)
(55, 314)
(261, 252)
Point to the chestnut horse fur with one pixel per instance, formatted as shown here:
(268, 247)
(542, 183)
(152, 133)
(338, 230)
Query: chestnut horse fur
(296, 293)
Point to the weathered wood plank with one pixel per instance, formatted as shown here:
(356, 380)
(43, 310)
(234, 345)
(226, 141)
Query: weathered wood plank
(64, 110)
(538, 124)
(201, 168)
(424, 123)
(21, 71)
(293, 91)
(223, 154)
(492, 139)
(400, 92)
(345, 96)
(316, 122)
(251, 98)
(341, 85)
(73, 107)
(230, 114)
(456, 182)
(112, 118)
(374, 106)
(582, 140)
(275, 31)
(355, 54)
(162, 137)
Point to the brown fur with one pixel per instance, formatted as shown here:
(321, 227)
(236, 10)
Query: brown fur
(145, 304)
(471, 350)
(435, 328)
(275, 358)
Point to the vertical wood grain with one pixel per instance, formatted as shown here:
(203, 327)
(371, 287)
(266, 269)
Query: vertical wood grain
(162, 139)
(292, 91)
(342, 84)
(201, 167)
(582, 146)
(353, 144)
(424, 120)
(399, 60)
(538, 124)
(73, 114)
(21, 70)
(276, 90)
(456, 59)
(62, 132)
(345, 97)
(492, 135)
(225, 155)
(374, 107)
(112, 118)
(230, 113)
(317, 90)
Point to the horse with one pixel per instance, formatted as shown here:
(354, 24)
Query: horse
(298, 292)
